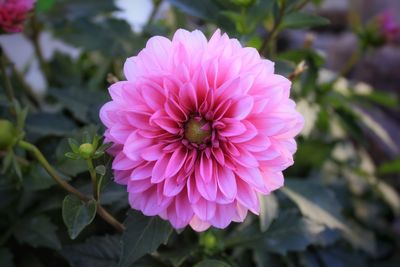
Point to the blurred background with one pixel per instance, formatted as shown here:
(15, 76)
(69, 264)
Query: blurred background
(340, 206)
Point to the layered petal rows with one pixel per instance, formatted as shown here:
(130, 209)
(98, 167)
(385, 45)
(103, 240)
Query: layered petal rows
(199, 129)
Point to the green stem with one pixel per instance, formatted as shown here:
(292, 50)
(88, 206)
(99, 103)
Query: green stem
(6, 81)
(156, 7)
(301, 4)
(266, 45)
(38, 51)
(93, 177)
(350, 64)
(21, 161)
(28, 90)
(70, 189)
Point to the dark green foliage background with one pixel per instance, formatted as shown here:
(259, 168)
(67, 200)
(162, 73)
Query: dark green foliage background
(334, 211)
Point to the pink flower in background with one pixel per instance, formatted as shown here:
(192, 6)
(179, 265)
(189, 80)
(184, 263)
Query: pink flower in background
(13, 14)
(200, 128)
(389, 27)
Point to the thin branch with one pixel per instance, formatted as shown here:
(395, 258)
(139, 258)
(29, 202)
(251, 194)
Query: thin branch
(93, 177)
(6, 81)
(20, 160)
(70, 189)
(350, 63)
(301, 4)
(28, 90)
(34, 36)
(156, 7)
(274, 31)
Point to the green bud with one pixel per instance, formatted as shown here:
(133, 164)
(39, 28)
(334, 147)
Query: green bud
(7, 134)
(86, 150)
(209, 241)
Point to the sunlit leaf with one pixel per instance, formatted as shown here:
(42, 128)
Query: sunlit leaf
(268, 211)
(320, 205)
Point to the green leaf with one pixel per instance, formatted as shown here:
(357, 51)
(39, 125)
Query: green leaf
(298, 20)
(143, 235)
(77, 214)
(312, 154)
(96, 140)
(177, 256)
(66, 165)
(381, 98)
(104, 147)
(44, 5)
(262, 259)
(112, 37)
(113, 193)
(317, 2)
(375, 125)
(213, 263)
(390, 167)
(74, 145)
(86, 137)
(37, 179)
(291, 232)
(21, 118)
(319, 204)
(206, 9)
(79, 102)
(17, 168)
(38, 231)
(73, 9)
(72, 155)
(47, 124)
(338, 257)
(7, 162)
(99, 251)
(6, 258)
(269, 211)
(390, 195)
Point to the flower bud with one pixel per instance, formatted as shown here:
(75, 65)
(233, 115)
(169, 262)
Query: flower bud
(209, 241)
(86, 150)
(7, 134)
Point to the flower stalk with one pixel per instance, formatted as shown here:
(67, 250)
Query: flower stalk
(34, 36)
(70, 189)
(6, 81)
(93, 177)
(266, 45)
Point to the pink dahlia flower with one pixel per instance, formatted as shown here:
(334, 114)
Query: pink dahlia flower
(13, 14)
(199, 129)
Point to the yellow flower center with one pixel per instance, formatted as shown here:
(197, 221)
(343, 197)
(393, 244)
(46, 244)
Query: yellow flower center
(197, 131)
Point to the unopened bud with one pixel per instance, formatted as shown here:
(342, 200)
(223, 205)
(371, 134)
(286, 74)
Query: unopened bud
(7, 134)
(86, 150)
(209, 241)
